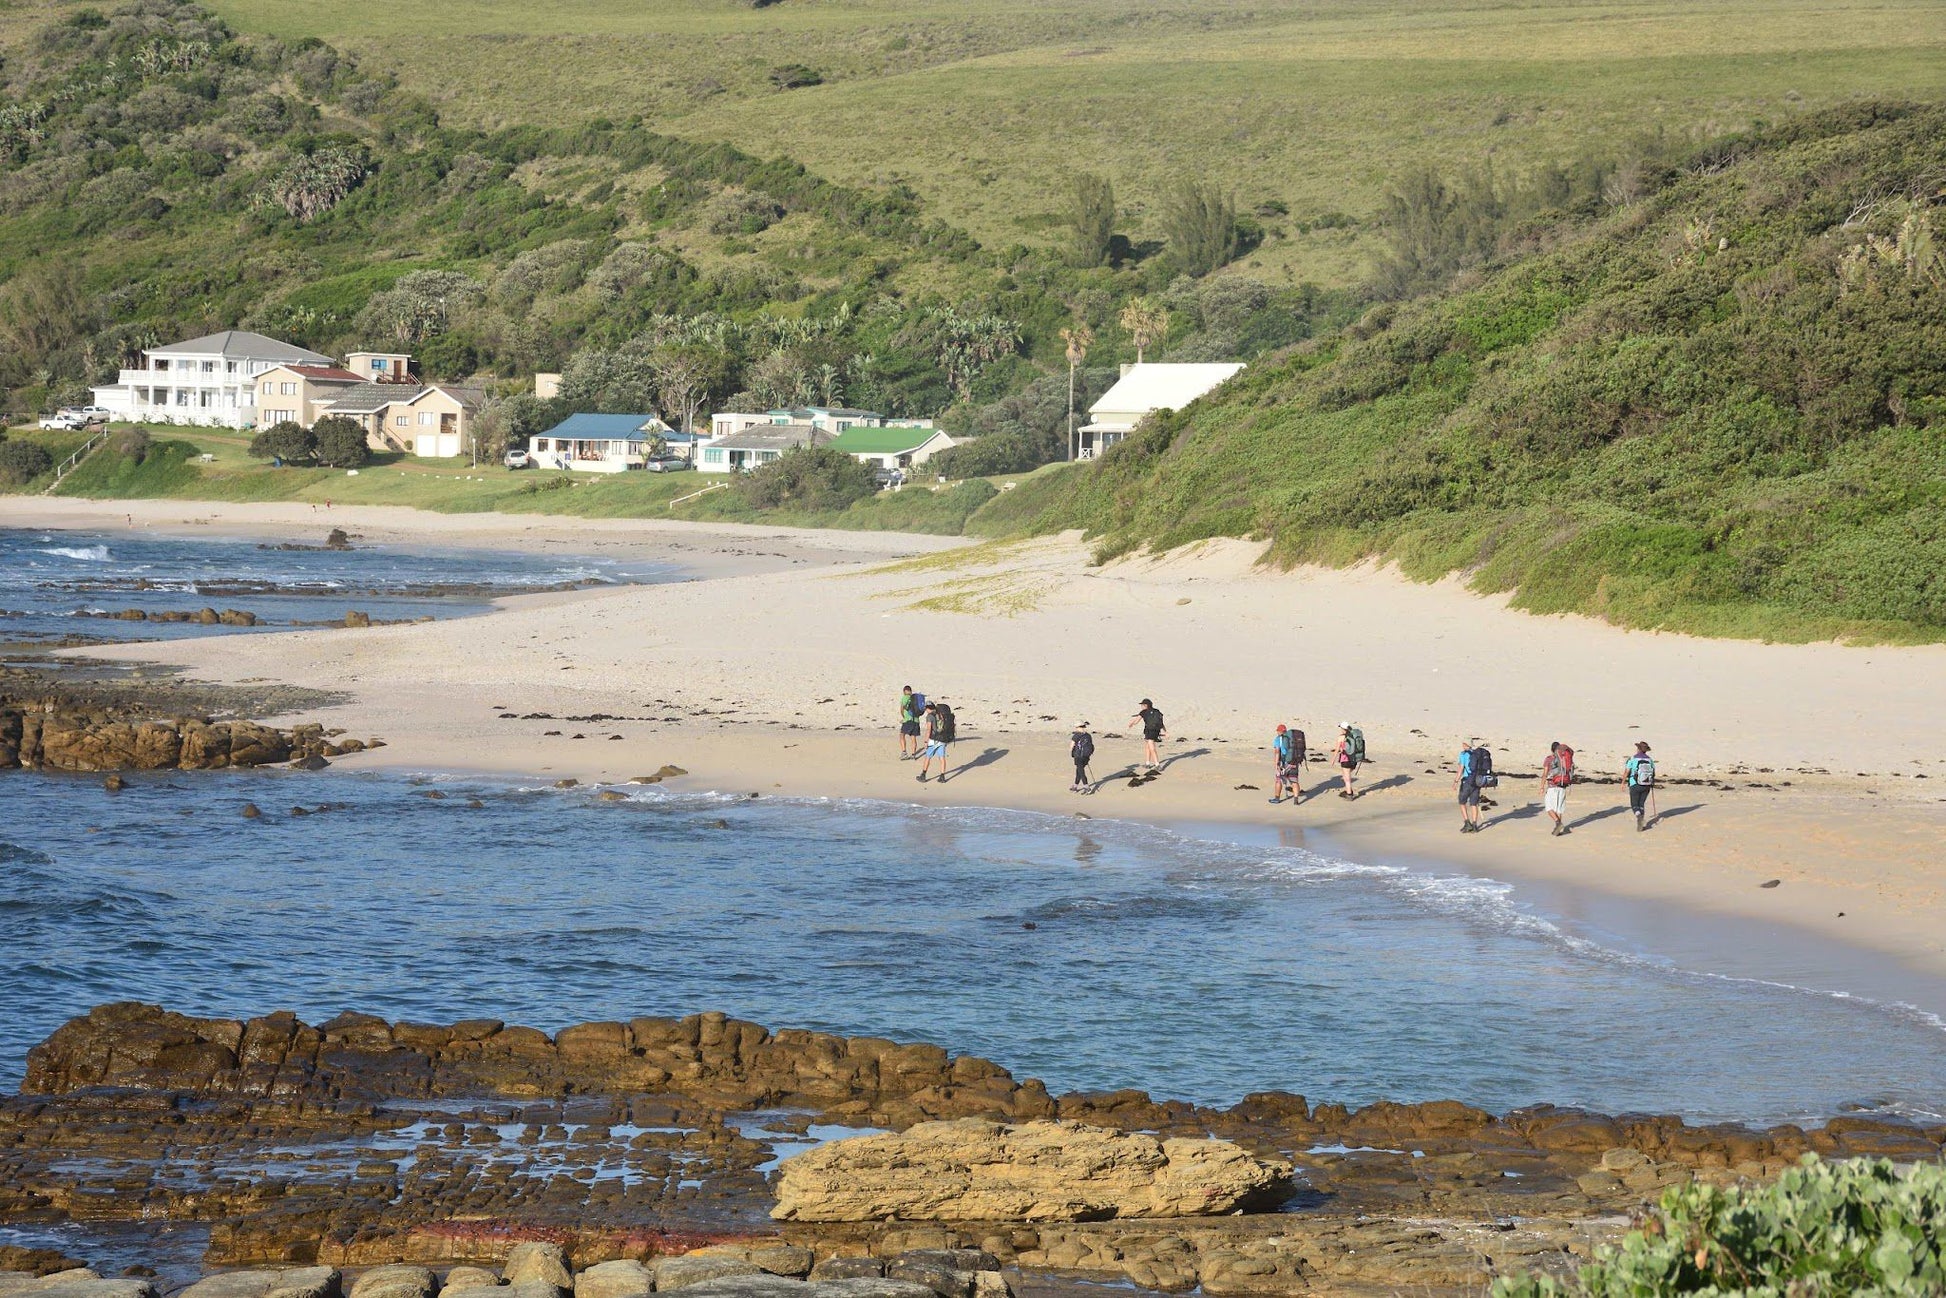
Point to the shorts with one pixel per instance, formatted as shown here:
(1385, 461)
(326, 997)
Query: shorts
(1556, 801)
(1148, 738)
(1288, 774)
(909, 728)
(936, 748)
(1469, 794)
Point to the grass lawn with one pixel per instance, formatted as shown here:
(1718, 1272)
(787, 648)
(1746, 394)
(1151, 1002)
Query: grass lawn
(986, 107)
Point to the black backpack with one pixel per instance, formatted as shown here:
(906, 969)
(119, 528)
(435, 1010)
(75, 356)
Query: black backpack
(942, 720)
(1300, 747)
(1084, 747)
(1482, 775)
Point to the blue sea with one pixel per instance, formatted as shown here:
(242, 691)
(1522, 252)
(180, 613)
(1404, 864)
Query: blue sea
(59, 584)
(1091, 954)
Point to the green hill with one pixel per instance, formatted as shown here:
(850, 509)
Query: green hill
(1720, 408)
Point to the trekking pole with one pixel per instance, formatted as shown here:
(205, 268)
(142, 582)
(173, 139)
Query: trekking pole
(1654, 811)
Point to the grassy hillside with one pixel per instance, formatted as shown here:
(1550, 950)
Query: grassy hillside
(985, 106)
(1721, 408)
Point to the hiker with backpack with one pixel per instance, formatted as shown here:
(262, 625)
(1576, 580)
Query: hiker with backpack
(1475, 774)
(1640, 777)
(1557, 773)
(1149, 717)
(912, 706)
(1288, 746)
(1349, 755)
(940, 732)
(1081, 747)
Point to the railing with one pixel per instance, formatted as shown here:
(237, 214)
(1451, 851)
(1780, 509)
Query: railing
(714, 486)
(69, 465)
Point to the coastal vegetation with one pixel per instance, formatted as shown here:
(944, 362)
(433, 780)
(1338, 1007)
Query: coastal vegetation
(1859, 1226)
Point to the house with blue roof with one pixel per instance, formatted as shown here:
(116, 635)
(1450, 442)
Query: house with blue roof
(605, 443)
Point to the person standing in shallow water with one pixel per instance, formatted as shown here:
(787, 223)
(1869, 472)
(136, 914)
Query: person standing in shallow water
(1153, 733)
(1640, 776)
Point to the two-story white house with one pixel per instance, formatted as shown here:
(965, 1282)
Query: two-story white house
(210, 380)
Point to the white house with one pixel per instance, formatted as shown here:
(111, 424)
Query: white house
(603, 443)
(1141, 391)
(757, 444)
(210, 380)
(892, 448)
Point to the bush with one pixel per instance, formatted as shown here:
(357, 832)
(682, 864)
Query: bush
(288, 441)
(809, 478)
(22, 462)
(131, 444)
(1852, 1227)
(340, 443)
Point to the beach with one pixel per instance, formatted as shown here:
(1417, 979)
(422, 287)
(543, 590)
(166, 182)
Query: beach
(1814, 766)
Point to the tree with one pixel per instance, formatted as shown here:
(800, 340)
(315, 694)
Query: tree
(1078, 338)
(340, 443)
(316, 182)
(1200, 223)
(421, 304)
(685, 378)
(1091, 213)
(288, 441)
(1146, 322)
(618, 381)
(807, 478)
(22, 462)
(965, 343)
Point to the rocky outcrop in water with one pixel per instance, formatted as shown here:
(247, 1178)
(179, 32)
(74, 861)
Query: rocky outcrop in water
(95, 741)
(972, 1170)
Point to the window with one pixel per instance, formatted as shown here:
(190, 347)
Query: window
(268, 387)
(229, 367)
(209, 367)
(161, 362)
(380, 365)
(403, 420)
(182, 397)
(426, 417)
(287, 389)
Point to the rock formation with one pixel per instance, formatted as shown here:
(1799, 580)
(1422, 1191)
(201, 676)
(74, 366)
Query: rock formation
(973, 1170)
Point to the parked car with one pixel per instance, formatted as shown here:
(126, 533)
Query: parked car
(517, 458)
(666, 464)
(93, 414)
(64, 421)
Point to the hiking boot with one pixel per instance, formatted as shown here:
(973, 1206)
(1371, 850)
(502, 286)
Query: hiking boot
(922, 777)
(1565, 830)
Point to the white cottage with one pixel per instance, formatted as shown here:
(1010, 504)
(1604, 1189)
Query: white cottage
(1143, 390)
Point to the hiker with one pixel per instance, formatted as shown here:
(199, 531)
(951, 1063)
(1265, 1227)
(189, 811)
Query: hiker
(1349, 754)
(1081, 747)
(1153, 733)
(939, 733)
(911, 706)
(1475, 773)
(1289, 749)
(1640, 777)
(1557, 773)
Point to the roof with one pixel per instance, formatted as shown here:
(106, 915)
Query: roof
(240, 343)
(369, 398)
(609, 427)
(324, 373)
(803, 414)
(857, 440)
(1162, 387)
(774, 437)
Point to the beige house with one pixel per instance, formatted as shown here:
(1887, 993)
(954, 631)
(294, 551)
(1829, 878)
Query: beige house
(416, 419)
(299, 393)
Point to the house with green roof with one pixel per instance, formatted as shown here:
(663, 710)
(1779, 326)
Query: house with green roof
(891, 448)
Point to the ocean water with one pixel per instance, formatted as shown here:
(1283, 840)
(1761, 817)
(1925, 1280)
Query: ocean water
(56, 584)
(1090, 954)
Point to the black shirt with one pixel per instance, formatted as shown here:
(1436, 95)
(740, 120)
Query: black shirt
(1151, 719)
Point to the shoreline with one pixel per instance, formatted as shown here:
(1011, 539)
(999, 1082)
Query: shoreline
(775, 680)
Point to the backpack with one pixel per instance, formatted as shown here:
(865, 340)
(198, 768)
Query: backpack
(1565, 775)
(1642, 772)
(1355, 744)
(1084, 747)
(942, 720)
(1291, 748)
(1480, 770)
(918, 705)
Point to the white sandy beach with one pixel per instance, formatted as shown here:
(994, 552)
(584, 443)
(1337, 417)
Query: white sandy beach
(781, 676)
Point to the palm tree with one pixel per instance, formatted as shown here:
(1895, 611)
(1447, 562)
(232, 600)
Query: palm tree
(1078, 338)
(1146, 321)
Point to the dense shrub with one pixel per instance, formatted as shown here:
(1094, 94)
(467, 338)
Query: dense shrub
(810, 478)
(288, 441)
(22, 461)
(1857, 1227)
(131, 444)
(340, 443)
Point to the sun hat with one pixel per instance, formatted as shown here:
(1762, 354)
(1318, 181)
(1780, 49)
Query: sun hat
(1642, 744)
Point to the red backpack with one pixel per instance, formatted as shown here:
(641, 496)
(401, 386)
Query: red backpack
(1564, 776)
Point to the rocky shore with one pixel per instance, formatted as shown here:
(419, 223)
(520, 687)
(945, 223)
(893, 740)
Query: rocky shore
(68, 723)
(359, 1142)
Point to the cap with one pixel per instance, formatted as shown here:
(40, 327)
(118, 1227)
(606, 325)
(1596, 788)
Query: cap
(1148, 703)
(1344, 725)
(1282, 729)
(1080, 725)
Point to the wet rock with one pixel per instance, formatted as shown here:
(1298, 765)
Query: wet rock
(772, 1256)
(538, 1263)
(250, 811)
(869, 1287)
(18, 1264)
(953, 1259)
(399, 1280)
(974, 1170)
(311, 763)
(354, 618)
(93, 1288)
(114, 783)
(941, 1281)
(619, 1279)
